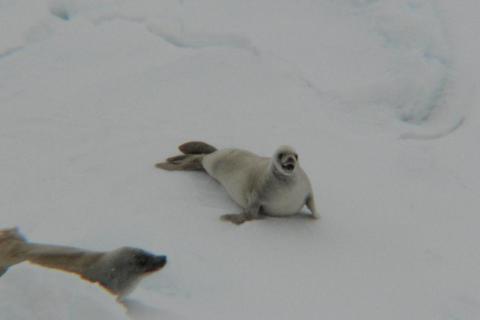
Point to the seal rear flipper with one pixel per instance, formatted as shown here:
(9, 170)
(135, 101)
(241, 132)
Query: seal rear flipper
(13, 248)
(182, 162)
(168, 166)
(10, 234)
(196, 147)
(177, 159)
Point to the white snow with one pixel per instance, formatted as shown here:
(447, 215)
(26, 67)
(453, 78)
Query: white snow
(28, 292)
(378, 97)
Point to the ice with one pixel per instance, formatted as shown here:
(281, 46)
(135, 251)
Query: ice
(378, 97)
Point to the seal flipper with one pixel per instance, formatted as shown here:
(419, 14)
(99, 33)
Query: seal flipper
(196, 147)
(236, 218)
(13, 249)
(239, 218)
(182, 162)
(310, 203)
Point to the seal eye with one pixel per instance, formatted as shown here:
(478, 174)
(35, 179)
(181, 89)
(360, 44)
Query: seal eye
(296, 156)
(280, 155)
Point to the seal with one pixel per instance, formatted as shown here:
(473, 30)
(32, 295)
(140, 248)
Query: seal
(275, 186)
(118, 271)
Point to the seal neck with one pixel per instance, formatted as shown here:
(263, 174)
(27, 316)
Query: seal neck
(277, 174)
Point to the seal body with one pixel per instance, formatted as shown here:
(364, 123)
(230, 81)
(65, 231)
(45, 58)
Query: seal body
(118, 271)
(287, 197)
(245, 176)
(275, 186)
(239, 172)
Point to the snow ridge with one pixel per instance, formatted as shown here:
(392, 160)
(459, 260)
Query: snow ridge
(200, 41)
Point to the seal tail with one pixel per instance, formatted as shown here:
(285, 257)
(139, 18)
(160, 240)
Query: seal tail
(191, 159)
(13, 249)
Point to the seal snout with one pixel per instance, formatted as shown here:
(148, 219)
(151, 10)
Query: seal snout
(156, 263)
(288, 162)
(147, 262)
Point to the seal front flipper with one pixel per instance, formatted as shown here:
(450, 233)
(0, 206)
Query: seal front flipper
(252, 213)
(237, 218)
(311, 206)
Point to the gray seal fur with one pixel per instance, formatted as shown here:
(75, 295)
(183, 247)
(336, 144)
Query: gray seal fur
(275, 186)
(118, 271)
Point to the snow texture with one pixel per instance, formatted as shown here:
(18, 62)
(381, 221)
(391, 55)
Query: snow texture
(28, 292)
(378, 97)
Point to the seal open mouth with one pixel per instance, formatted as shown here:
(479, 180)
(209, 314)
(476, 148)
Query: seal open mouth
(288, 166)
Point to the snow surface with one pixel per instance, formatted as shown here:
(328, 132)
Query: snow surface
(378, 97)
(28, 292)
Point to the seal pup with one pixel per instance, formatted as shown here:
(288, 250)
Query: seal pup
(118, 271)
(275, 186)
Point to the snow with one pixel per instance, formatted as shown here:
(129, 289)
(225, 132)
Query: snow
(378, 98)
(28, 292)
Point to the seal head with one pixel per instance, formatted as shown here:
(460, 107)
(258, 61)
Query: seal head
(122, 269)
(285, 161)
